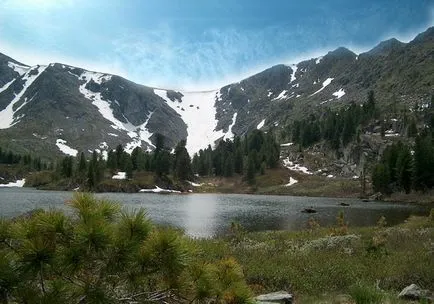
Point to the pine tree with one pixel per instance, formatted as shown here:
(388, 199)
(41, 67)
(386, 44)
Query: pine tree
(182, 162)
(423, 170)
(404, 169)
(250, 169)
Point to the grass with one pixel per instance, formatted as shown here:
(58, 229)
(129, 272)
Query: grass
(367, 265)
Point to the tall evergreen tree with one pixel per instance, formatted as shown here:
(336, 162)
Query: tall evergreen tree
(182, 162)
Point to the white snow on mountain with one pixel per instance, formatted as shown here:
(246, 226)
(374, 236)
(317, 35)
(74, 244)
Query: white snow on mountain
(292, 181)
(339, 94)
(294, 70)
(199, 118)
(61, 144)
(18, 183)
(295, 167)
(7, 115)
(260, 125)
(324, 85)
(318, 60)
(120, 175)
(6, 86)
(230, 134)
(287, 144)
(281, 95)
(20, 69)
(139, 133)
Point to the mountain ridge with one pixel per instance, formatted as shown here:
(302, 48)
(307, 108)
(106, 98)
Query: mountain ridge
(101, 110)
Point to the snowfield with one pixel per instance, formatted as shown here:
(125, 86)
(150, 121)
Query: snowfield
(7, 115)
(20, 69)
(138, 133)
(197, 110)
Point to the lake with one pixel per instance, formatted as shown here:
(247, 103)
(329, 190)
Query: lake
(207, 215)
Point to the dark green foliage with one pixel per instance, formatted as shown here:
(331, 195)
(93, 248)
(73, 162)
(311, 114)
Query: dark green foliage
(104, 255)
(339, 128)
(248, 155)
(380, 178)
(399, 170)
(250, 170)
(423, 174)
(182, 162)
(29, 162)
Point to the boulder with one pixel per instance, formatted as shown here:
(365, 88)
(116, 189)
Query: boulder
(281, 297)
(414, 292)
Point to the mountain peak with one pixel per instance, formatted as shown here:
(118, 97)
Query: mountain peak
(424, 36)
(385, 47)
(341, 52)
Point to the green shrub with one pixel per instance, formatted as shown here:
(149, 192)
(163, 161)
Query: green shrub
(102, 254)
(365, 294)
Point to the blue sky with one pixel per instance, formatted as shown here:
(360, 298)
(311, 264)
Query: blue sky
(199, 44)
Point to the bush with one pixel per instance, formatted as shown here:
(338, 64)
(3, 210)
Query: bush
(102, 254)
(364, 294)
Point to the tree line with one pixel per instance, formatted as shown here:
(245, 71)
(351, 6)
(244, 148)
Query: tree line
(28, 161)
(341, 127)
(403, 169)
(247, 156)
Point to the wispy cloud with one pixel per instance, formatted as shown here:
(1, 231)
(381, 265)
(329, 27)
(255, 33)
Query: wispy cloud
(161, 58)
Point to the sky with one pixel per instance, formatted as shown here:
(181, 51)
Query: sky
(199, 44)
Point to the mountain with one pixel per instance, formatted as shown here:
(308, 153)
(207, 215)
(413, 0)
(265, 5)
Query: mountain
(59, 109)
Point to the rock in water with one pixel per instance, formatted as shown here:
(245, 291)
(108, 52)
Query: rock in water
(281, 297)
(414, 292)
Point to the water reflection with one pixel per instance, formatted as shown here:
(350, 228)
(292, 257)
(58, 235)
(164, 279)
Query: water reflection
(200, 215)
(206, 215)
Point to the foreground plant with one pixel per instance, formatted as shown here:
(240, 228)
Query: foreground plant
(102, 254)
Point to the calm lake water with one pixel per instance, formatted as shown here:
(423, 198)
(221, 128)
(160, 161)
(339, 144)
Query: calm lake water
(206, 215)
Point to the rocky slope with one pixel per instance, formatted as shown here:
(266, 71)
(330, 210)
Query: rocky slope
(59, 109)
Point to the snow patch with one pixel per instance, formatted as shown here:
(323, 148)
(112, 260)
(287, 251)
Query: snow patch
(260, 125)
(324, 85)
(295, 167)
(158, 190)
(113, 134)
(61, 144)
(318, 60)
(7, 118)
(18, 183)
(139, 133)
(287, 144)
(6, 86)
(230, 134)
(292, 181)
(120, 175)
(339, 94)
(195, 184)
(20, 69)
(270, 93)
(294, 70)
(281, 95)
